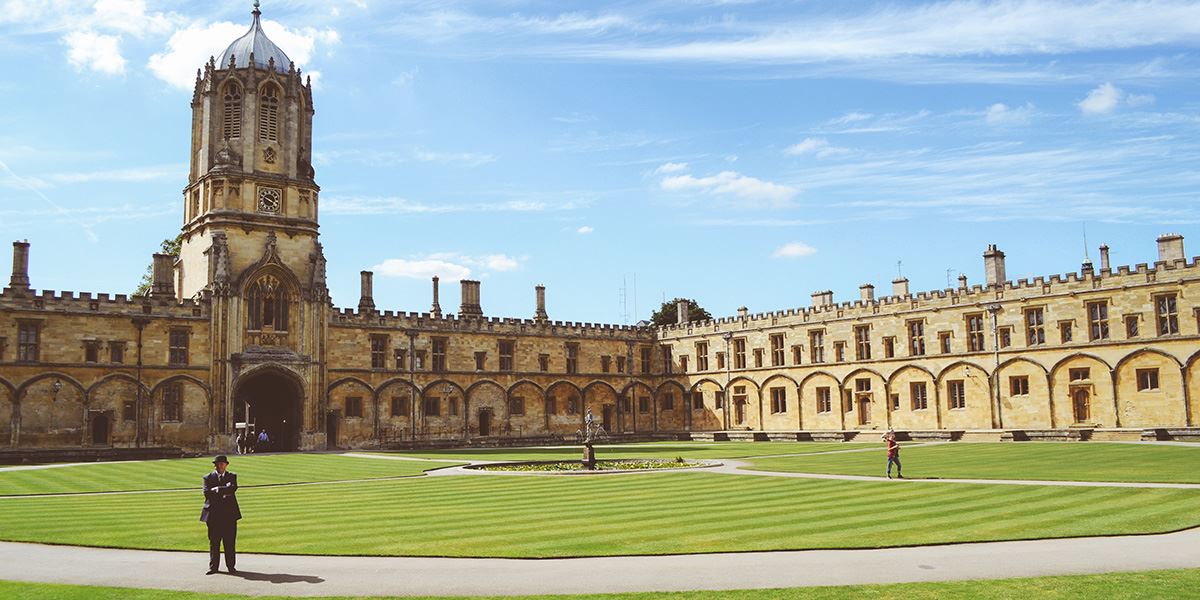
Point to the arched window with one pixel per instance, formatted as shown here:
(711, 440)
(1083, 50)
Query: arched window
(231, 114)
(268, 304)
(268, 114)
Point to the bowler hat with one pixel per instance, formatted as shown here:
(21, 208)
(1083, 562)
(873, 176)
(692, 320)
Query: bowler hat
(220, 459)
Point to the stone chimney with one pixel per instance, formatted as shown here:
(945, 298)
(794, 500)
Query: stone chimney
(962, 283)
(470, 299)
(366, 300)
(1104, 266)
(162, 285)
(866, 292)
(20, 273)
(540, 314)
(681, 312)
(743, 312)
(900, 287)
(993, 267)
(1087, 268)
(436, 309)
(1170, 247)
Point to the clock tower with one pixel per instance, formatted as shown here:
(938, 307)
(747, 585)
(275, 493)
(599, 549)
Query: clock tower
(250, 235)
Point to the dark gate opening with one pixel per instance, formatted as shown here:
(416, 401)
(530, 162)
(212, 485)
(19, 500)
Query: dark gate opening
(271, 402)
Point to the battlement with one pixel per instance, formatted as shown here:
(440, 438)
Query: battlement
(388, 319)
(824, 309)
(100, 303)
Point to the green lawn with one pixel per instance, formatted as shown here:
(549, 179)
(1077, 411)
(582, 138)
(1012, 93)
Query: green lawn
(643, 450)
(656, 513)
(1032, 460)
(1181, 583)
(186, 473)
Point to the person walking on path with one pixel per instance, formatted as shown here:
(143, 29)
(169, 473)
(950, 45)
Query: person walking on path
(221, 514)
(264, 440)
(893, 453)
(241, 442)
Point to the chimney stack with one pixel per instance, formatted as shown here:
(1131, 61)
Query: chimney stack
(866, 291)
(822, 298)
(1087, 268)
(366, 300)
(681, 312)
(436, 310)
(540, 314)
(962, 283)
(900, 287)
(162, 273)
(470, 299)
(20, 273)
(1104, 266)
(993, 266)
(743, 312)
(1170, 247)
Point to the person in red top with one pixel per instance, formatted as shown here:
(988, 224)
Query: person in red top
(893, 453)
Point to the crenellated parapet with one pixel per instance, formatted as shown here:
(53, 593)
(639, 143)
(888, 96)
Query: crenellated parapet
(69, 302)
(400, 320)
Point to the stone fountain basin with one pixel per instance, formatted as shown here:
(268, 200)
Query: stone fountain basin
(612, 466)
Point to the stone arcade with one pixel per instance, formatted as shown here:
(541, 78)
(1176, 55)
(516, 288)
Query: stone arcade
(240, 327)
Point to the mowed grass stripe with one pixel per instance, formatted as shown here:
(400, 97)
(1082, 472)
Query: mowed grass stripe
(711, 450)
(187, 473)
(643, 514)
(1051, 461)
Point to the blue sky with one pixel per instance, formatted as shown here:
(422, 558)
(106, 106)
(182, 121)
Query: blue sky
(734, 151)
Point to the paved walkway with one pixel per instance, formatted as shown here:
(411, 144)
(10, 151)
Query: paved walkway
(379, 576)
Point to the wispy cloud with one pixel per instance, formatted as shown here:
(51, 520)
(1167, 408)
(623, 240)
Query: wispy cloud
(733, 184)
(470, 159)
(447, 265)
(793, 250)
(819, 147)
(354, 205)
(671, 167)
(586, 229)
(1002, 114)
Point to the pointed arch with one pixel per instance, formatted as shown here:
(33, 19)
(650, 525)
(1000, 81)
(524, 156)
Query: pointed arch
(432, 386)
(231, 109)
(51, 374)
(413, 388)
(270, 95)
(744, 379)
(1017, 359)
(1187, 364)
(851, 374)
(780, 376)
(805, 379)
(945, 372)
(563, 382)
(672, 383)
(1142, 352)
(891, 378)
(599, 383)
(696, 385)
(114, 377)
(524, 382)
(12, 390)
(351, 380)
(635, 384)
(1058, 365)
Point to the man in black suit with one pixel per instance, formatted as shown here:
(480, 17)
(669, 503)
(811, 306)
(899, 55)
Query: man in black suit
(221, 513)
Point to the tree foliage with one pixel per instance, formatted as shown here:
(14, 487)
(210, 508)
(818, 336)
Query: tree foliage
(169, 246)
(667, 315)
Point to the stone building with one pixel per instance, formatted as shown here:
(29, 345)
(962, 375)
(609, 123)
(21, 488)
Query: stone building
(240, 329)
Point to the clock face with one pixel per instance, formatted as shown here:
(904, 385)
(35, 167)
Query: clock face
(269, 200)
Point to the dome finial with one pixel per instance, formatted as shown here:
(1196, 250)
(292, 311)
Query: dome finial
(256, 12)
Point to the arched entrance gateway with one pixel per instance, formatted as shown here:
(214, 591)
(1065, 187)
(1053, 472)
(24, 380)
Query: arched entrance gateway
(271, 399)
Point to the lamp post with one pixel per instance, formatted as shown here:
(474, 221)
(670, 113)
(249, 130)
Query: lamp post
(726, 401)
(994, 309)
(55, 387)
(412, 383)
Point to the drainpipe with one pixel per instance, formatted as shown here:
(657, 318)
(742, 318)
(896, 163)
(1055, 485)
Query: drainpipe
(140, 323)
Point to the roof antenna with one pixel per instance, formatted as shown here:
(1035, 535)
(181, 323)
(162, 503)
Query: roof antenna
(1086, 257)
(899, 269)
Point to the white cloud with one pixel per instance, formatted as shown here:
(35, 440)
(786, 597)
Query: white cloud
(132, 175)
(190, 48)
(671, 167)
(353, 205)
(447, 265)
(470, 159)
(1102, 100)
(732, 183)
(406, 78)
(95, 51)
(130, 16)
(955, 28)
(421, 269)
(819, 147)
(1107, 97)
(584, 230)
(850, 117)
(1002, 114)
(794, 250)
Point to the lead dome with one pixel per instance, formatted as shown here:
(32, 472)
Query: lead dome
(255, 43)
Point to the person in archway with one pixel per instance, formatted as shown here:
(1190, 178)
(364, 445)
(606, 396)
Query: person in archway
(221, 514)
(893, 453)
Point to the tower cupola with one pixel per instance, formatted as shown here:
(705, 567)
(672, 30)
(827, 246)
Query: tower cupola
(256, 44)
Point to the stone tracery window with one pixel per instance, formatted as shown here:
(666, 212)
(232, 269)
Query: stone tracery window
(231, 116)
(268, 114)
(268, 302)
